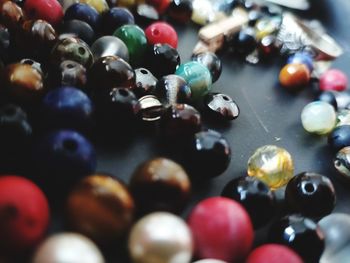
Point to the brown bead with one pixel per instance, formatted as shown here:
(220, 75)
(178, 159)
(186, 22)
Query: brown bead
(294, 75)
(69, 73)
(160, 184)
(11, 14)
(101, 208)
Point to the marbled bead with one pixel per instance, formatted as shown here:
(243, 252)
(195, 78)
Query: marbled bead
(333, 79)
(245, 41)
(109, 46)
(339, 137)
(211, 61)
(294, 75)
(342, 162)
(100, 5)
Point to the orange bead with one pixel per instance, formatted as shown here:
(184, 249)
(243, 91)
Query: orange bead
(294, 75)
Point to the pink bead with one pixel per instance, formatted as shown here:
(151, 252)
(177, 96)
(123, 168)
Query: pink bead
(273, 253)
(221, 229)
(161, 32)
(333, 79)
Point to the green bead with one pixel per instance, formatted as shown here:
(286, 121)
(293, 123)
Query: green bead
(135, 39)
(197, 77)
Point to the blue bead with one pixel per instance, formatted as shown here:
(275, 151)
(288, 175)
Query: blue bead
(340, 137)
(115, 18)
(84, 13)
(303, 58)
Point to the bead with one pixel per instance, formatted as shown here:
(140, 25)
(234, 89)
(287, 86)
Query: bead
(333, 79)
(294, 75)
(48, 10)
(146, 14)
(172, 89)
(337, 236)
(149, 108)
(204, 12)
(11, 14)
(302, 58)
(161, 33)
(197, 77)
(268, 25)
(24, 213)
(342, 98)
(209, 261)
(318, 117)
(273, 253)
(226, 236)
(211, 61)
(162, 54)
(221, 106)
(5, 43)
(109, 46)
(78, 29)
(268, 46)
(208, 154)
(272, 165)
(329, 97)
(301, 234)
(160, 185)
(67, 3)
(180, 10)
(69, 73)
(339, 137)
(160, 5)
(83, 12)
(100, 207)
(100, 5)
(254, 16)
(311, 194)
(115, 18)
(68, 247)
(342, 162)
(125, 3)
(160, 237)
(343, 117)
(145, 82)
(255, 196)
(34, 64)
(245, 41)
(135, 40)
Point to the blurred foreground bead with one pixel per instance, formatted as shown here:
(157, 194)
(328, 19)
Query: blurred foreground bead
(101, 208)
(48, 10)
(272, 165)
(301, 58)
(342, 162)
(109, 46)
(209, 261)
(221, 229)
(69, 73)
(79, 29)
(294, 75)
(333, 79)
(145, 82)
(159, 5)
(273, 253)
(211, 62)
(100, 5)
(24, 214)
(329, 97)
(180, 10)
(83, 12)
(339, 137)
(161, 33)
(221, 107)
(11, 14)
(114, 18)
(255, 196)
(160, 237)
(301, 234)
(146, 14)
(245, 41)
(311, 194)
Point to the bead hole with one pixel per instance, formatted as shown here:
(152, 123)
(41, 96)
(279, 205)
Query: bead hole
(81, 50)
(225, 98)
(143, 71)
(155, 32)
(309, 187)
(337, 163)
(28, 62)
(70, 145)
(123, 92)
(70, 66)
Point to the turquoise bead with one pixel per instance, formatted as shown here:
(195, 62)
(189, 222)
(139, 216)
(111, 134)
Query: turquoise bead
(197, 77)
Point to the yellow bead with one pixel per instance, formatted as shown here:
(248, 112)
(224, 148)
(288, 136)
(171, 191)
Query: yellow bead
(99, 5)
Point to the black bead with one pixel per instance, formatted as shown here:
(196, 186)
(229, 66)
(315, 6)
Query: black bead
(180, 10)
(301, 234)
(245, 42)
(146, 14)
(329, 97)
(339, 137)
(145, 82)
(211, 61)
(221, 106)
(4, 43)
(255, 196)
(79, 29)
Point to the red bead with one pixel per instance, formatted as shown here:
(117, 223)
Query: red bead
(333, 79)
(221, 229)
(273, 253)
(161, 32)
(24, 213)
(48, 10)
(159, 5)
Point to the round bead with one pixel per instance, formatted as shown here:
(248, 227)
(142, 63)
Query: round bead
(24, 213)
(311, 194)
(318, 117)
(211, 61)
(342, 162)
(161, 33)
(272, 165)
(145, 82)
(339, 137)
(226, 236)
(84, 13)
(109, 46)
(68, 247)
(342, 98)
(273, 253)
(100, 5)
(302, 58)
(255, 196)
(333, 79)
(159, 5)
(294, 75)
(197, 76)
(114, 18)
(329, 97)
(79, 29)
(69, 73)
(101, 208)
(160, 237)
(48, 10)
(180, 10)
(221, 106)
(245, 41)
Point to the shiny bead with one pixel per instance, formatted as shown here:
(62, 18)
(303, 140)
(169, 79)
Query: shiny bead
(83, 12)
(100, 5)
(172, 89)
(226, 236)
(149, 108)
(159, 5)
(255, 196)
(311, 194)
(302, 58)
(11, 14)
(197, 76)
(114, 18)
(273, 253)
(301, 234)
(342, 98)
(221, 106)
(267, 26)
(145, 82)
(100, 207)
(180, 10)
(161, 33)
(34, 64)
(268, 46)
(69, 73)
(342, 162)
(343, 117)
(78, 29)
(339, 137)
(204, 12)
(68, 247)
(294, 75)
(272, 165)
(146, 14)
(48, 10)
(109, 46)
(211, 61)
(162, 54)
(160, 185)
(135, 40)
(245, 41)
(24, 213)
(329, 97)
(333, 79)
(160, 237)
(318, 117)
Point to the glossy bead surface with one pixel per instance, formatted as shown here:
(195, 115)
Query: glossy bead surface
(294, 75)
(84, 13)
(161, 33)
(221, 106)
(339, 137)
(146, 14)
(101, 208)
(180, 10)
(79, 29)
(48, 10)
(11, 14)
(24, 213)
(149, 108)
(115, 18)
(100, 5)
(329, 97)
(254, 196)
(302, 58)
(159, 5)
(273, 253)
(311, 194)
(69, 73)
(68, 247)
(211, 61)
(318, 117)
(342, 162)
(145, 82)
(226, 236)
(160, 237)
(109, 46)
(245, 41)
(197, 76)
(333, 79)
(272, 165)
(301, 234)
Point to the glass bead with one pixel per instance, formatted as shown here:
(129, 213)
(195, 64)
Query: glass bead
(302, 58)
(180, 10)
(318, 117)
(114, 18)
(109, 46)
(294, 75)
(83, 12)
(79, 29)
(245, 41)
(69, 73)
(146, 14)
(197, 76)
(221, 106)
(342, 162)
(329, 97)
(274, 253)
(100, 5)
(339, 137)
(272, 165)
(343, 117)
(48, 10)
(211, 61)
(145, 82)
(333, 79)
(161, 33)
